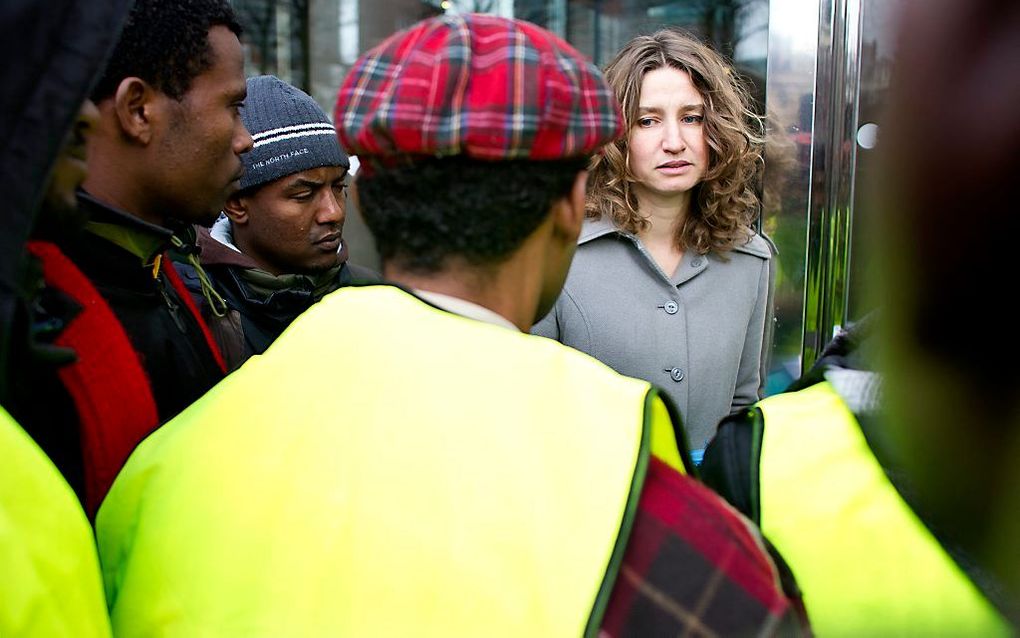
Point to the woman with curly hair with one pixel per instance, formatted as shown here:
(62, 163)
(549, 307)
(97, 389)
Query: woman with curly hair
(670, 283)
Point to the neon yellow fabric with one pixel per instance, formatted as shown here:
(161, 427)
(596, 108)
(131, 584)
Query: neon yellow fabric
(866, 564)
(384, 469)
(49, 573)
(663, 439)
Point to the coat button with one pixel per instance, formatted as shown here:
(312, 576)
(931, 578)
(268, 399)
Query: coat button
(670, 307)
(676, 374)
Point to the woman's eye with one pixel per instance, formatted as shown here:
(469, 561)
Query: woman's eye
(645, 122)
(692, 119)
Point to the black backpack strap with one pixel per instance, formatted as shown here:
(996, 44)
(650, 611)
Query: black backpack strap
(731, 461)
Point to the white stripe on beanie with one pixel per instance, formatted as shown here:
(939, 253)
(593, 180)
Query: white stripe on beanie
(280, 138)
(297, 127)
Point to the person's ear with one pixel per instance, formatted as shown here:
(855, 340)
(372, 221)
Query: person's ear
(569, 210)
(135, 105)
(236, 209)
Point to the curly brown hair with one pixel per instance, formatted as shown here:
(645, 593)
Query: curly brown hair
(725, 202)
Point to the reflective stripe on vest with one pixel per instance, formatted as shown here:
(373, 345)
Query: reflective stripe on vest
(865, 562)
(50, 585)
(385, 469)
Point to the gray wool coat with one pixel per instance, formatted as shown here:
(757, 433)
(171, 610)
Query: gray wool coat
(701, 335)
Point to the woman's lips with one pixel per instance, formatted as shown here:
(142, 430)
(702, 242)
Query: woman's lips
(674, 168)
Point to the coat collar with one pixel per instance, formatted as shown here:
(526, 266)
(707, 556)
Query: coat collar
(758, 245)
(130, 233)
(595, 228)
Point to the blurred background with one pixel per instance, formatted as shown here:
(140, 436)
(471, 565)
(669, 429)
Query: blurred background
(819, 72)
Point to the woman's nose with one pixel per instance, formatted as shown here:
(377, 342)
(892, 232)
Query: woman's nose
(672, 138)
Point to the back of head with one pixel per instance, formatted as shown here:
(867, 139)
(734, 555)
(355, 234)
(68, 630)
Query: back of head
(726, 202)
(954, 382)
(166, 44)
(54, 49)
(461, 208)
(468, 127)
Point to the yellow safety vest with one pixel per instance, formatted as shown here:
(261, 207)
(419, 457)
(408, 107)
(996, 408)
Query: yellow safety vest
(49, 573)
(385, 469)
(866, 563)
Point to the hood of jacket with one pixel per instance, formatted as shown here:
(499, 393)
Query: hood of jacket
(54, 52)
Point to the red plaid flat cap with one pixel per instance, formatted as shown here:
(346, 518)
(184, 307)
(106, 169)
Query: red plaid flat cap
(478, 85)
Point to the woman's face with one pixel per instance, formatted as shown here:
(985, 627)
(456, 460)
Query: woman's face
(667, 149)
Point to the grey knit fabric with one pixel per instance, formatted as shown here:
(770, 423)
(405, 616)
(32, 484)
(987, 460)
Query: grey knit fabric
(291, 133)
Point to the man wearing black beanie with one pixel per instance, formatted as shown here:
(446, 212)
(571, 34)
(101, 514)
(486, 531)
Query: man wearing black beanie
(278, 248)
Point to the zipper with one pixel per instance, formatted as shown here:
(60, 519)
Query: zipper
(172, 306)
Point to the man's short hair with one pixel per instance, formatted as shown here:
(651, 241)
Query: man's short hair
(166, 44)
(423, 213)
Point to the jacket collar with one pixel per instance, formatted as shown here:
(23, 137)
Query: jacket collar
(140, 238)
(465, 308)
(216, 246)
(594, 228)
(758, 245)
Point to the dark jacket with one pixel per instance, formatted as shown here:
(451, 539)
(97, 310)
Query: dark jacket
(174, 343)
(255, 315)
(124, 327)
(53, 51)
(56, 49)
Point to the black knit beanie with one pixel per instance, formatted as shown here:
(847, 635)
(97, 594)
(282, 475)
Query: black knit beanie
(291, 133)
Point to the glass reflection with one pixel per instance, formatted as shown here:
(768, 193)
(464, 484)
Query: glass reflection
(792, 55)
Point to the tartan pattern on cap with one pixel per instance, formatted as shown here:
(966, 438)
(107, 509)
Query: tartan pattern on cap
(483, 86)
(694, 567)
